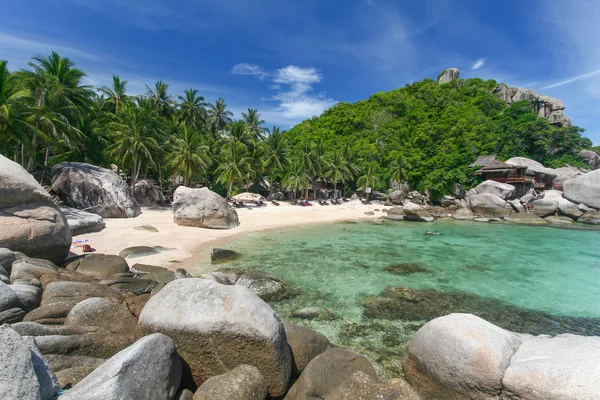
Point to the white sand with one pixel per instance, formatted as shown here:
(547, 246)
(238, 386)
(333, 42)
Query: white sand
(189, 246)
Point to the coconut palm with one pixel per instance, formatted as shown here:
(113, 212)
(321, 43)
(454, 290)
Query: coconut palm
(135, 137)
(160, 98)
(276, 156)
(236, 132)
(399, 169)
(218, 116)
(368, 179)
(297, 180)
(254, 123)
(192, 109)
(116, 95)
(189, 153)
(235, 165)
(336, 169)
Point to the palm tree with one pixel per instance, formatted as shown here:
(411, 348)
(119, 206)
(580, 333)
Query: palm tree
(218, 116)
(254, 123)
(189, 154)
(297, 179)
(400, 169)
(115, 95)
(135, 137)
(236, 132)
(337, 169)
(276, 155)
(162, 101)
(235, 166)
(192, 109)
(307, 158)
(368, 179)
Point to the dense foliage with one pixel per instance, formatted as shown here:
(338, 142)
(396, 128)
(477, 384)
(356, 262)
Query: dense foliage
(425, 134)
(428, 134)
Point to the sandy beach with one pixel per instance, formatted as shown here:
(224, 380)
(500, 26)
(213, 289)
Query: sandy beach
(187, 247)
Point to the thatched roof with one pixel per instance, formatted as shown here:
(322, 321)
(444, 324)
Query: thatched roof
(484, 161)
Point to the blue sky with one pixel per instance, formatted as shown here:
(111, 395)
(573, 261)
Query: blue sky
(293, 59)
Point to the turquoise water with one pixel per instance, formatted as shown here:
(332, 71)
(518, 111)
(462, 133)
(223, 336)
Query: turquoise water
(553, 272)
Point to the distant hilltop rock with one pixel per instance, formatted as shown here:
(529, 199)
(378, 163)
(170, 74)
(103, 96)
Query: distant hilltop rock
(545, 106)
(449, 75)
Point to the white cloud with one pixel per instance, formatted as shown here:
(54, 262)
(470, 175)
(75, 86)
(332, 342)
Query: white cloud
(248, 69)
(478, 64)
(573, 79)
(295, 75)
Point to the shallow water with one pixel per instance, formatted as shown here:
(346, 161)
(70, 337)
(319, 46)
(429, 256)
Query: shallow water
(337, 266)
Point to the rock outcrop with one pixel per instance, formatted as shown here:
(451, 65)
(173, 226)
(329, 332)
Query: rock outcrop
(542, 174)
(218, 327)
(81, 222)
(414, 212)
(591, 158)
(502, 190)
(147, 194)
(30, 222)
(584, 189)
(202, 208)
(93, 189)
(545, 106)
(489, 205)
(449, 75)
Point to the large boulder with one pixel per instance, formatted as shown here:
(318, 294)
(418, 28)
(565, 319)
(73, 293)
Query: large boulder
(148, 369)
(545, 106)
(202, 208)
(248, 197)
(396, 213)
(584, 189)
(99, 265)
(107, 314)
(24, 374)
(564, 206)
(397, 197)
(502, 190)
(218, 327)
(327, 371)
(305, 345)
(414, 212)
(244, 382)
(361, 386)
(81, 222)
(565, 367)
(525, 219)
(542, 174)
(590, 218)
(94, 189)
(147, 194)
(449, 75)
(544, 207)
(459, 356)
(463, 214)
(30, 222)
(565, 173)
(489, 205)
(591, 158)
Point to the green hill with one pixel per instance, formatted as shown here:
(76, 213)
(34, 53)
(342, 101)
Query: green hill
(432, 133)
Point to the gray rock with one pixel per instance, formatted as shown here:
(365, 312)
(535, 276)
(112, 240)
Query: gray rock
(463, 214)
(564, 206)
(585, 209)
(218, 327)
(449, 75)
(545, 106)
(544, 207)
(414, 212)
(327, 371)
(459, 356)
(8, 298)
(24, 374)
(30, 270)
(11, 316)
(202, 208)
(223, 255)
(502, 190)
(305, 345)
(584, 189)
(591, 158)
(148, 369)
(489, 205)
(244, 382)
(590, 218)
(81, 222)
(29, 296)
(99, 265)
(55, 312)
(93, 344)
(542, 174)
(7, 257)
(559, 219)
(93, 189)
(528, 198)
(35, 329)
(565, 367)
(525, 218)
(111, 316)
(30, 222)
(147, 194)
(141, 251)
(361, 386)
(396, 213)
(565, 173)
(397, 197)
(517, 206)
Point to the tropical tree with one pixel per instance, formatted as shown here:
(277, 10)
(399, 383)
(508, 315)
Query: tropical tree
(235, 165)
(236, 132)
(160, 98)
(254, 123)
(337, 169)
(135, 137)
(310, 165)
(368, 179)
(189, 153)
(116, 95)
(297, 180)
(218, 116)
(276, 155)
(192, 109)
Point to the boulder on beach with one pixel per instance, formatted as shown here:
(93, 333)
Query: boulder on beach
(590, 218)
(584, 189)
(397, 197)
(148, 369)
(489, 205)
(463, 214)
(414, 212)
(93, 189)
(81, 222)
(396, 213)
(147, 194)
(99, 265)
(218, 327)
(502, 190)
(361, 386)
(223, 255)
(244, 382)
(202, 208)
(544, 207)
(305, 345)
(30, 222)
(249, 197)
(564, 206)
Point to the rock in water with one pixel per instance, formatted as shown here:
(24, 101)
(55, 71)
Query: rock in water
(218, 327)
(459, 356)
(244, 382)
(202, 208)
(489, 205)
(584, 189)
(24, 374)
(147, 194)
(30, 222)
(94, 189)
(148, 369)
(82, 221)
(223, 255)
(449, 75)
(305, 344)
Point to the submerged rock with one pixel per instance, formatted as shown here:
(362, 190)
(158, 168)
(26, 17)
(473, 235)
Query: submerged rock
(316, 313)
(141, 251)
(405, 269)
(223, 255)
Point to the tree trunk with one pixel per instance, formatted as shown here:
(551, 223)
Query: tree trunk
(30, 163)
(22, 155)
(133, 177)
(229, 189)
(16, 157)
(160, 179)
(270, 187)
(335, 190)
(47, 156)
